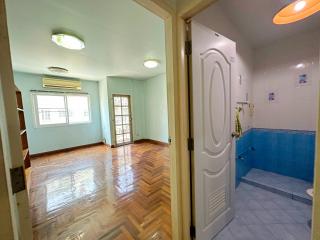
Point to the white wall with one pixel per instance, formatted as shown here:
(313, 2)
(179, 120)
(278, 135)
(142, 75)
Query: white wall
(295, 107)
(215, 18)
(134, 88)
(148, 106)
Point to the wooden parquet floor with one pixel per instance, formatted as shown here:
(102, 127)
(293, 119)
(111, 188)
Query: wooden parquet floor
(102, 193)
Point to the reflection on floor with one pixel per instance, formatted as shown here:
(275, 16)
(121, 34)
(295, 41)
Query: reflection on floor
(99, 193)
(263, 215)
(291, 187)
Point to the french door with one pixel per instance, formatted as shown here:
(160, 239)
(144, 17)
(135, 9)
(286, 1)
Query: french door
(122, 119)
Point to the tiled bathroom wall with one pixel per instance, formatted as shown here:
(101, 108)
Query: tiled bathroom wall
(243, 155)
(285, 87)
(287, 152)
(268, 77)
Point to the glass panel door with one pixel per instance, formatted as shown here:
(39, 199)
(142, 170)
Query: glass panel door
(122, 119)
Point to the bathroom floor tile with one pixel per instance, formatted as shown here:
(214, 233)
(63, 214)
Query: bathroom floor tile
(275, 182)
(266, 215)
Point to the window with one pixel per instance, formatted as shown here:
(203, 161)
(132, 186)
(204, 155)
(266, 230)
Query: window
(61, 109)
(78, 109)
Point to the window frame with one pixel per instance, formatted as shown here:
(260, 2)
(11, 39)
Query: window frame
(65, 95)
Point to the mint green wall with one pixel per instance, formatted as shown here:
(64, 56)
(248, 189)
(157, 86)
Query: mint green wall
(134, 88)
(156, 108)
(148, 106)
(104, 109)
(52, 138)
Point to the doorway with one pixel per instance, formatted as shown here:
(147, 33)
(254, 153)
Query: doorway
(122, 119)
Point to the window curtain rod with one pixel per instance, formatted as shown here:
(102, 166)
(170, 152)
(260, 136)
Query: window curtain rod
(46, 91)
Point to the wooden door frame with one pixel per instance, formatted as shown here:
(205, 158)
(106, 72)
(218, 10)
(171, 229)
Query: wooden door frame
(168, 14)
(114, 119)
(315, 231)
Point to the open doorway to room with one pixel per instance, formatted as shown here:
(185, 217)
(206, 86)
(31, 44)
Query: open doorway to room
(254, 91)
(92, 103)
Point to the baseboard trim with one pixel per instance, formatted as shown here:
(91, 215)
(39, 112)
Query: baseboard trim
(150, 141)
(36, 155)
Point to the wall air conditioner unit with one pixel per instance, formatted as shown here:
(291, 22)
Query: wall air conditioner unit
(61, 83)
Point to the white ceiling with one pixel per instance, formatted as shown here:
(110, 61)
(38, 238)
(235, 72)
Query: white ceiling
(119, 36)
(254, 20)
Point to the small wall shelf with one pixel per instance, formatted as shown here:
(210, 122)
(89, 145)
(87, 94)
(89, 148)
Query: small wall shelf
(24, 139)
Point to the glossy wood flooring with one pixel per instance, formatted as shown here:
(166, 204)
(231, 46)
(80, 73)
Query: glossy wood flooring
(102, 193)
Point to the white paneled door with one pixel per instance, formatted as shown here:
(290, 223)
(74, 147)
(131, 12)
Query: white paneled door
(213, 73)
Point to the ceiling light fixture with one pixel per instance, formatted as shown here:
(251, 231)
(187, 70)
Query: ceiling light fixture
(58, 69)
(68, 41)
(299, 6)
(296, 11)
(151, 63)
(300, 65)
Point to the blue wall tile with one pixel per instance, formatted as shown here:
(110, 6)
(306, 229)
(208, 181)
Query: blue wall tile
(243, 155)
(286, 152)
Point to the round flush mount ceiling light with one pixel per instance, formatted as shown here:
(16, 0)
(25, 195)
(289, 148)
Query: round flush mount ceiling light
(296, 11)
(151, 63)
(58, 69)
(300, 65)
(68, 41)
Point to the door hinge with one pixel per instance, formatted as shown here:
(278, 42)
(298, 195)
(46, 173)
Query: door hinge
(188, 47)
(190, 144)
(169, 140)
(17, 179)
(192, 231)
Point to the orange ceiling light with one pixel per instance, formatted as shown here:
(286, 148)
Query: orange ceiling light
(296, 11)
